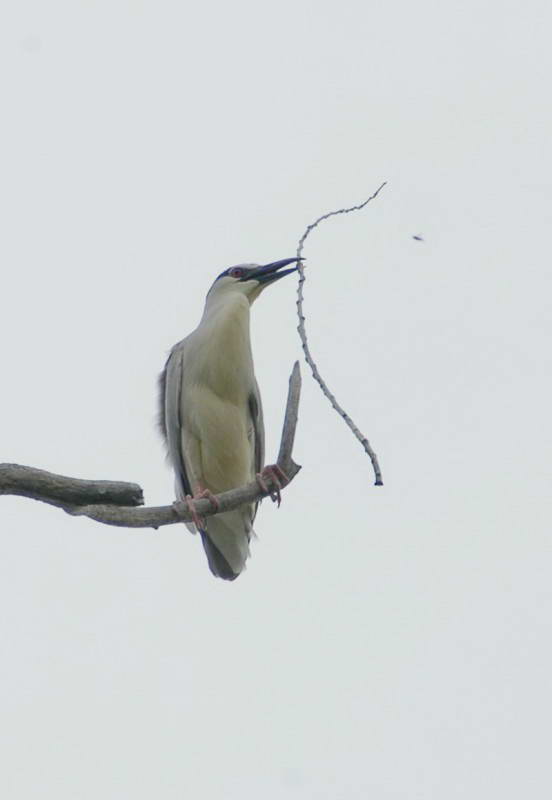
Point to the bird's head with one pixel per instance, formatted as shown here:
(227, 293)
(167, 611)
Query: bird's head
(250, 279)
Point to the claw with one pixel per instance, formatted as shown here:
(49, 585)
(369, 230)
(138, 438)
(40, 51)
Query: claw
(276, 475)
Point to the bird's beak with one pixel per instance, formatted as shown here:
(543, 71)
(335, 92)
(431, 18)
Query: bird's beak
(269, 273)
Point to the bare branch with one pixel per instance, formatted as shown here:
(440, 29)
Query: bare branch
(290, 420)
(59, 490)
(303, 335)
(71, 493)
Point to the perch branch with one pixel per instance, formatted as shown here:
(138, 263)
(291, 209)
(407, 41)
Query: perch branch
(303, 335)
(88, 498)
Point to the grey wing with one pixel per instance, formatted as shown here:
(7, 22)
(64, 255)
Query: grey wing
(256, 413)
(170, 416)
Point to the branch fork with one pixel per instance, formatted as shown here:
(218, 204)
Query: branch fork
(116, 503)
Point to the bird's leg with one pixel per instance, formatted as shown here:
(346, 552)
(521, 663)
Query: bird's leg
(276, 475)
(187, 505)
(207, 494)
(190, 501)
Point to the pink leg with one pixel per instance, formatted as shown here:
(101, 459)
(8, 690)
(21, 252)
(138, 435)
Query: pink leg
(189, 504)
(207, 494)
(193, 511)
(276, 475)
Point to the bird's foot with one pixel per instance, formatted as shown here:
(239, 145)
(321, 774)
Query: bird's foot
(185, 507)
(207, 494)
(276, 476)
(196, 519)
(188, 505)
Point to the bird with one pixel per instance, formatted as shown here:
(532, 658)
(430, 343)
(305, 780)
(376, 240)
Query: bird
(211, 416)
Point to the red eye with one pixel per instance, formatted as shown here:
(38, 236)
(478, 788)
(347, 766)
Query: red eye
(236, 272)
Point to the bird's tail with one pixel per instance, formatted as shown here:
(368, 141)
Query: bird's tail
(226, 542)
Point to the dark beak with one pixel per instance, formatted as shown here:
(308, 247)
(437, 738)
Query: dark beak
(270, 274)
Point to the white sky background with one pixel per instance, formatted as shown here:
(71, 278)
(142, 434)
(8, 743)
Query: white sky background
(384, 642)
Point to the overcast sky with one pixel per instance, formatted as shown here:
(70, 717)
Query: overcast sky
(383, 643)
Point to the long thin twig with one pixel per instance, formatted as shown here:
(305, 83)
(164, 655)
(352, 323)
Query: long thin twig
(88, 498)
(303, 334)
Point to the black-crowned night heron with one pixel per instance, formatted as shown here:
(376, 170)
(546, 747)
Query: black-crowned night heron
(211, 413)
